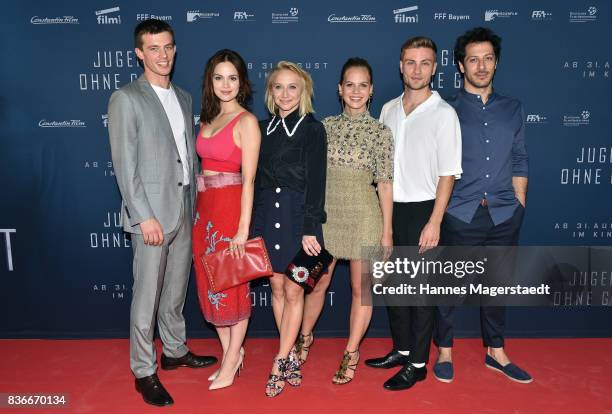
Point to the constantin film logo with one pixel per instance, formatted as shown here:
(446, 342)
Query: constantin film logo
(108, 16)
(72, 123)
(588, 16)
(491, 15)
(583, 119)
(358, 18)
(54, 20)
(291, 17)
(196, 15)
(540, 15)
(406, 15)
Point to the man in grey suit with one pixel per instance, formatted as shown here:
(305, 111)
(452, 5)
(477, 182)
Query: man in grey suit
(152, 142)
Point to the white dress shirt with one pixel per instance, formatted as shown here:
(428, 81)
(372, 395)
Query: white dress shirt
(427, 146)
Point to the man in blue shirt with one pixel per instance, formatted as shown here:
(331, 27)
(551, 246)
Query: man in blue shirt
(488, 203)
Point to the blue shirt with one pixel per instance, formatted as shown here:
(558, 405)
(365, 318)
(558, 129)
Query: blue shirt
(493, 151)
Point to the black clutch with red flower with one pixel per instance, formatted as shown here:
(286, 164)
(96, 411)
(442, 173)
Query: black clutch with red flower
(306, 270)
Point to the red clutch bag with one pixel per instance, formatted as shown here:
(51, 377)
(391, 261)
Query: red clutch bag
(224, 272)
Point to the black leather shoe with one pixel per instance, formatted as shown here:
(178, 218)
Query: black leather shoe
(188, 360)
(392, 359)
(153, 392)
(406, 377)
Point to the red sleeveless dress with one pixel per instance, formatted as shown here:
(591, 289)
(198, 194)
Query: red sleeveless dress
(216, 223)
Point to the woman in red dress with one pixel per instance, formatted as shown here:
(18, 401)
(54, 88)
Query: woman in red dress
(228, 145)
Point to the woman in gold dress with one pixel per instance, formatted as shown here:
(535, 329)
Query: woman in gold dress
(360, 154)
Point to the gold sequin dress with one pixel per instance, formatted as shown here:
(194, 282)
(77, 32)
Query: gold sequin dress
(359, 154)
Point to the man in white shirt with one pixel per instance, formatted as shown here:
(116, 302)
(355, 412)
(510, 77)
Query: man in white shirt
(150, 126)
(427, 161)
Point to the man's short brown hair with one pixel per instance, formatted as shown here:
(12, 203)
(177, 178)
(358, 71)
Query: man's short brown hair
(150, 26)
(419, 41)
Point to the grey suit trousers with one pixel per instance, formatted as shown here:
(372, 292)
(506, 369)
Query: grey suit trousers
(161, 275)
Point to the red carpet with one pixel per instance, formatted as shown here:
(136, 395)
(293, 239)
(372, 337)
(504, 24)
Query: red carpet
(571, 375)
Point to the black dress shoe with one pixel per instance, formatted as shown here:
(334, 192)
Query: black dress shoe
(406, 377)
(153, 392)
(392, 359)
(188, 360)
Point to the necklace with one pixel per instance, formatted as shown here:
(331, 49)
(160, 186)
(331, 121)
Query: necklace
(289, 134)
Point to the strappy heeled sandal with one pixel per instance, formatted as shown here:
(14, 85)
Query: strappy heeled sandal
(340, 376)
(272, 386)
(293, 374)
(300, 347)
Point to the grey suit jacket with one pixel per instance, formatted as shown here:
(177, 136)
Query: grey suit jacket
(145, 157)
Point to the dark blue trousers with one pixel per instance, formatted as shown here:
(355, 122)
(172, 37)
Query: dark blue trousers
(480, 232)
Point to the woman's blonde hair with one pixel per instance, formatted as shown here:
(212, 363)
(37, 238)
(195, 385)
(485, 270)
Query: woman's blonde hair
(307, 90)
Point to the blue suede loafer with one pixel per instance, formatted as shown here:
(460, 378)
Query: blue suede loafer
(443, 371)
(511, 371)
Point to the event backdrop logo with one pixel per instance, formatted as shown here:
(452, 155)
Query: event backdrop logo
(588, 16)
(54, 20)
(104, 120)
(583, 119)
(73, 123)
(451, 16)
(491, 15)
(284, 17)
(195, 15)
(7, 245)
(536, 119)
(406, 15)
(358, 18)
(108, 16)
(146, 16)
(242, 16)
(541, 16)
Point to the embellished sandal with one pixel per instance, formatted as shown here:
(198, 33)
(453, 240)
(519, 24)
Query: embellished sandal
(293, 374)
(340, 376)
(273, 386)
(301, 348)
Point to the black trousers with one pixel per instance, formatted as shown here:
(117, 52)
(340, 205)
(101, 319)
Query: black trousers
(480, 232)
(411, 326)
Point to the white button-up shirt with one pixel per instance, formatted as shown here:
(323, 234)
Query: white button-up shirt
(427, 146)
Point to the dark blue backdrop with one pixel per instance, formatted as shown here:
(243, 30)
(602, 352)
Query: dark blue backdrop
(64, 262)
